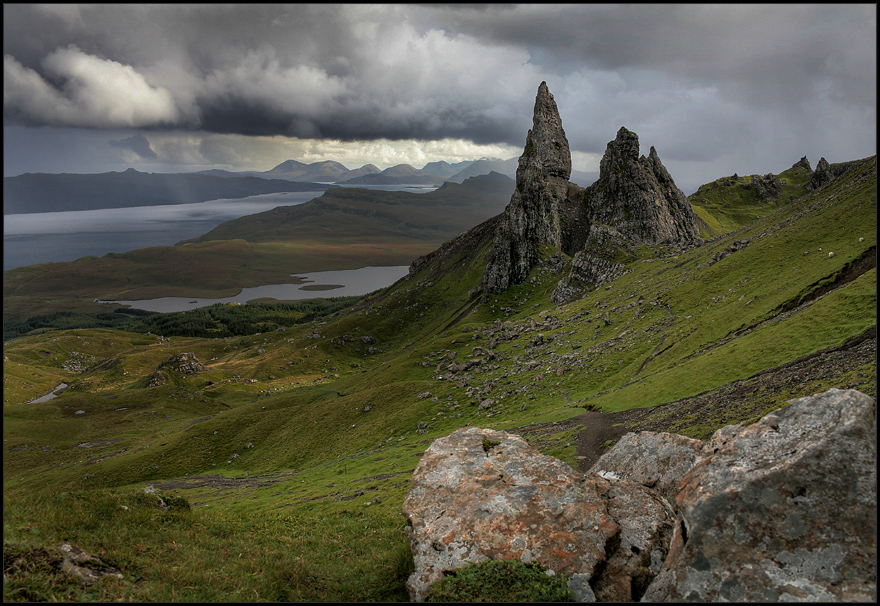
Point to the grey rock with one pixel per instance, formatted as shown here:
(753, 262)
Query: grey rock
(480, 494)
(636, 553)
(634, 202)
(784, 509)
(780, 510)
(656, 460)
(533, 216)
(822, 175)
(637, 196)
(767, 187)
(84, 566)
(185, 363)
(803, 163)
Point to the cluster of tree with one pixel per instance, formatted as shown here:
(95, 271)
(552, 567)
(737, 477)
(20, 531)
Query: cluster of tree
(219, 320)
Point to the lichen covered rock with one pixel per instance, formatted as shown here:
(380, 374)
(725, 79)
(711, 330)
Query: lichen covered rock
(783, 509)
(780, 510)
(480, 494)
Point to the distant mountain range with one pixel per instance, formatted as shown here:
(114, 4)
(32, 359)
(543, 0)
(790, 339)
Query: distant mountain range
(42, 192)
(433, 173)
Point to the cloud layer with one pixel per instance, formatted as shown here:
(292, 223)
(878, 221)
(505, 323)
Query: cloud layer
(701, 83)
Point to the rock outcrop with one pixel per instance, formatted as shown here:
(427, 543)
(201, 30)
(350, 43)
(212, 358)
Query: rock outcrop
(86, 567)
(535, 214)
(184, 363)
(783, 509)
(634, 202)
(480, 494)
(803, 163)
(767, 187)
(822, 175)
(826, 173)
(637, 196)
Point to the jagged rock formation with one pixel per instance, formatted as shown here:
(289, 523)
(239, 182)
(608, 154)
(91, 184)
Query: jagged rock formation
(535, 213)
(822, 175)
(826, 173)
(767, 187)
(803, 163)
(780, 510)
(185, 363)
(637, 196)
(634, 202)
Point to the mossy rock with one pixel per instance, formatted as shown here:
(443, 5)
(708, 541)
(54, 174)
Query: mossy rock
(500, 581)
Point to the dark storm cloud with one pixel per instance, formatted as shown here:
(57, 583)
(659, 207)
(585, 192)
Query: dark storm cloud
(136, 143)
(346, 72)
(700, 82)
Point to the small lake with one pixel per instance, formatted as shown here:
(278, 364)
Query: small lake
(344, 283)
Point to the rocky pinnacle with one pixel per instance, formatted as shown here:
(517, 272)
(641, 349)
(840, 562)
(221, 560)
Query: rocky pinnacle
(634, 202)
(533, 216)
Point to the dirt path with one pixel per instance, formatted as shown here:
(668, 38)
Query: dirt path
(595, 431)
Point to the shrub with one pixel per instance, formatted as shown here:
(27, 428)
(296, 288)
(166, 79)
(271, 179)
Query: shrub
(499, 581)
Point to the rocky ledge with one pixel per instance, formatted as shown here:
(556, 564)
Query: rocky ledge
(783, 509)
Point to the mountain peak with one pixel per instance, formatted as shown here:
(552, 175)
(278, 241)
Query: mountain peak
(288, 166)
(546, 148)
(803, 163)
(533, 216)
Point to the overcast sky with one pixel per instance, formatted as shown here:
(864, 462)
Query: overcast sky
(716, 89)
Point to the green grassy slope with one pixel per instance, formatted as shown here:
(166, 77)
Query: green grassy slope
(296, 446)
(732, 202)
(358, 213)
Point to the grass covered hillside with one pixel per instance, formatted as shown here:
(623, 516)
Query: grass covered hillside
(283, 458)
(732, 202)
(346, 228)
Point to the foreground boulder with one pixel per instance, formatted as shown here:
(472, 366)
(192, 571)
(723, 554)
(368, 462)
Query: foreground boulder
(783, 509)
(480, 494)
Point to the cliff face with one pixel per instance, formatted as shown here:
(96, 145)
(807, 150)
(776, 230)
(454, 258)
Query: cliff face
(636, 196)
(634, 201)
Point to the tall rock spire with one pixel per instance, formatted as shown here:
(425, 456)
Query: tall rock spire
(546, 152)
(534, 215)
(634, 202)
